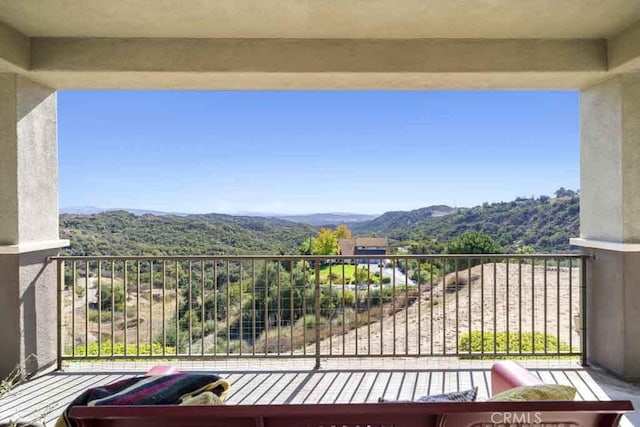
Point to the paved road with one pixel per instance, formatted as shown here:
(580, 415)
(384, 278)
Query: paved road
(400, 277)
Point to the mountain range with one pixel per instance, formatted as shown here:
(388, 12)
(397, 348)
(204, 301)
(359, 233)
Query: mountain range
(545, 224)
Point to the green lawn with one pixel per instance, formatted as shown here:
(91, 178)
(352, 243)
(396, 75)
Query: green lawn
(349, 273)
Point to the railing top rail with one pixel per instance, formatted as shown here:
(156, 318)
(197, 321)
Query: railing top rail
(314, 257)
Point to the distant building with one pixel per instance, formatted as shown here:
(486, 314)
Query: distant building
(365, 246)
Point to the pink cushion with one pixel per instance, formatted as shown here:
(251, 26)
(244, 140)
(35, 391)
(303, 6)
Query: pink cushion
(508, 374)
(162, 370)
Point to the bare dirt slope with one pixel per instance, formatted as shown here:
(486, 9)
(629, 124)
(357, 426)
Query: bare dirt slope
(492, 297)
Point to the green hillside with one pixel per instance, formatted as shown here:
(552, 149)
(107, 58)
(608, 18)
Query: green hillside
(123, 233)
(544, 224)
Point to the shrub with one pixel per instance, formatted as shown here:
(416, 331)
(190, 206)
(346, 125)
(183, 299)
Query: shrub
(309, 321)
(530, 344)
(80, 291)
(349, 298)
(433, 303)
(173, 340)
(115, 301)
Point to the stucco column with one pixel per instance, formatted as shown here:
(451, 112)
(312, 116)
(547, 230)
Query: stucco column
(610, 221)
(28, 224)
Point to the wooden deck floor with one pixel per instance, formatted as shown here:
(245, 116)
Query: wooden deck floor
(289, 382)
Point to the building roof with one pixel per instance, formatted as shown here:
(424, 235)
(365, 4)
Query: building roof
(347, 246)
(372, 242)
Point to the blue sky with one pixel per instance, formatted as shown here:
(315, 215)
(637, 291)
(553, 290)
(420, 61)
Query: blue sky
(313, 151)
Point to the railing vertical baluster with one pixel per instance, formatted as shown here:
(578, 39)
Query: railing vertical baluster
(266, 308)
(381, 315)
(545, 305)
(332, 308)
(99, 308)
(406, 306)
(507, 306)
(190, 307)
(291, 302)
(457, 288)
(228, 310)
(570, 305)
(60, 295)
(202, 311)
(279, 306)
(495, 309)
(419, 308)
(240, 328)
(469, 304)
(74, 278)
(583, 314)
(151, 271)
(355, 279)
(481, 307)
(164, 307)
(431, 302)
(368, 307)
(253, 307)
(393, 306)
(113, 307)
(444, 307)
(305, 279)
(533, 306)
(558, 305)
(126, 298)
(177, 308)
(86, 310)
(215, 308)
(520, 305)
(138, 308)
(317, 311)
(344, 335)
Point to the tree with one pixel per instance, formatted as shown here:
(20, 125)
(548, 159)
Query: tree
(307, 246)
(473, 242)
(342, 232)
(326, 243)
(426, 245)
(563, 192)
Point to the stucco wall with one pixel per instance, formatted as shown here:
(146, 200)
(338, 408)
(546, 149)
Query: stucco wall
(37, 162)
(28, 161)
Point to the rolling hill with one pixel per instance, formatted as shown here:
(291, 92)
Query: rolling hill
(544, 224)
(125, 233)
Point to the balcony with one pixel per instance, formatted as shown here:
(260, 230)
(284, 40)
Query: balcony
(300, 329)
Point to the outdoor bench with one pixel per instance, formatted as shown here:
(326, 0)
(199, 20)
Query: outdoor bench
(504, 375)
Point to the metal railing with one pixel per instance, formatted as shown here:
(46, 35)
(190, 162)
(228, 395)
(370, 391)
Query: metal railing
(141, 307)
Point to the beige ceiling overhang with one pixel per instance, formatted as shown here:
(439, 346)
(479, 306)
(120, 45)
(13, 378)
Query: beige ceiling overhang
(319, 44)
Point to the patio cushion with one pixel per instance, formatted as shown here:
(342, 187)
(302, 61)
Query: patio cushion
(536, 392)
(455, 396)
(172, 389)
